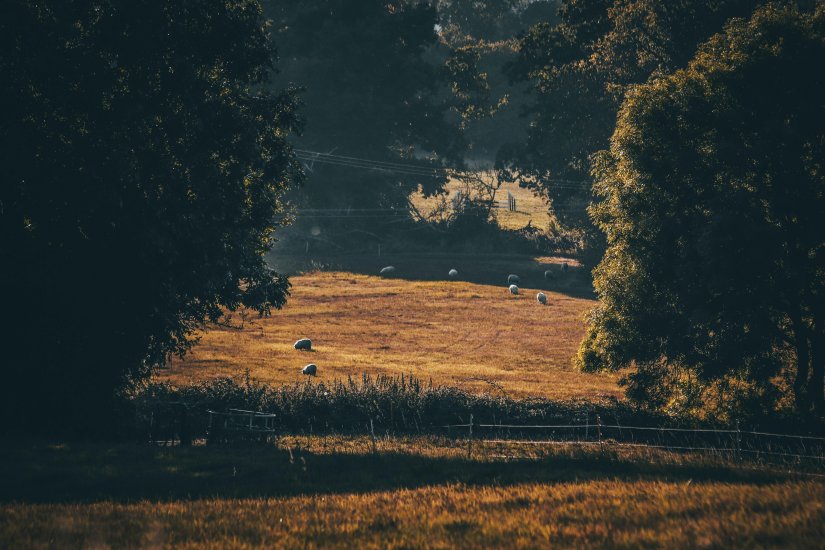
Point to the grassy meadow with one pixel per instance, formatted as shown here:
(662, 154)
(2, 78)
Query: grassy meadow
(405, 491)
(413, 491)
(530, 209)
(315, 492)
(469, 333)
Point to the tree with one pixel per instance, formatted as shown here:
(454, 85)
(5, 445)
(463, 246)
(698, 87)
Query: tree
(712, 196)
(375, 87)
(143, 168)
(488, 20)
(579, 70)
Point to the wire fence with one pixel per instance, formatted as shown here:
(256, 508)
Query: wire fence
(735, 443)
(173, 423)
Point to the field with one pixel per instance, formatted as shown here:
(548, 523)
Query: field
(469, 333)
(323, 492)
(529, 208)
(410, 491)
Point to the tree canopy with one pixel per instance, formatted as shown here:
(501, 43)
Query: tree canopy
(144, 161)
(374, 86)
(711, 199)
(579, 71)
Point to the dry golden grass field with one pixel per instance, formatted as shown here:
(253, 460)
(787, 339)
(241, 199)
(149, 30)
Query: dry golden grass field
(469, 333)
(321, 493)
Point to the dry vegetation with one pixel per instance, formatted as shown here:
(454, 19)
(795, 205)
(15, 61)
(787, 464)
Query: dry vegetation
(410, 493)
(472, 335)
(609, 513)
(529, 208)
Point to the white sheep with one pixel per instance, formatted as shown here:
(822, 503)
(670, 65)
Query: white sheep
(310, 370)
(453, 273)
(541, 298)
(389, 270)
(513, 289)
(513, 279)
(304, 344)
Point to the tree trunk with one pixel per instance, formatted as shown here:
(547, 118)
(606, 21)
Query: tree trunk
(803, 359)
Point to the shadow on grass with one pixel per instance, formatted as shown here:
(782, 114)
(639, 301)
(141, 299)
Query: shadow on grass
(40, 473)
(483, 269)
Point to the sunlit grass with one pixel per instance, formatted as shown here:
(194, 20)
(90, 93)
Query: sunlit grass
(410, 492)
(473, 336)
(530, 209)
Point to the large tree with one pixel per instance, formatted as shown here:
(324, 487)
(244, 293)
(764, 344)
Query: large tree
(579, 70)
(713, 193)
(143, 164)
(375, 87)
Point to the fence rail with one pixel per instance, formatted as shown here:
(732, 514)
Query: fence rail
(170, 422)
(728, 441)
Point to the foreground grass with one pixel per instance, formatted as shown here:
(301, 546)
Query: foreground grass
(321, 492)
(470, 335)
(608, 513)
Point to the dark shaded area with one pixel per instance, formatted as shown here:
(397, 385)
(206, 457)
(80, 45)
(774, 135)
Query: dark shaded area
(34, 472)
(478, 268)
(143, 165)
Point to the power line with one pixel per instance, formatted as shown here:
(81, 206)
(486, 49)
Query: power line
(407, 168)
(423, 174)
(317, 154)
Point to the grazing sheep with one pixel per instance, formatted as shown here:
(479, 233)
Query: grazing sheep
(513, 279)
(541, 298)
(564, 267)
(310, 370)
(453, 273)
(389, 270)
(513, 289)
(304, 344)
(549, 274)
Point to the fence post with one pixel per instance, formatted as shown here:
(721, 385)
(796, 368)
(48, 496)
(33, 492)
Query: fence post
(184, 432)
(599, 428)
(372, 435)
(470, 439)
(738, 441)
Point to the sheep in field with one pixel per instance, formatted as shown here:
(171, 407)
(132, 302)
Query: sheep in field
(389, 270)
(453, 273)
(304, 344)
(513, 279)
(564, 267)
(310, 370)
(549, 274)
(513, 289)
(541, 298)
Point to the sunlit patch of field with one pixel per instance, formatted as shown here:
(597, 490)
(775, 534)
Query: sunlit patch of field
(529, 208)
(421, 495)
(469, 335)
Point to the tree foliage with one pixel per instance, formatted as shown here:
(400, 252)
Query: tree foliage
(580, 69)
(375, 86)
(712, 196)
(492, 20)
(143, 167)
